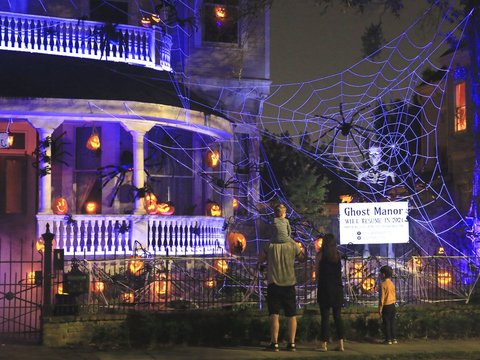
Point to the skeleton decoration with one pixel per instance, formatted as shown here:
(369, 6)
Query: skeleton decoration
(375, 174)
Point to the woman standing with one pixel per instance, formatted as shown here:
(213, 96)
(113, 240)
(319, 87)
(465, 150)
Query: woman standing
(330, 289)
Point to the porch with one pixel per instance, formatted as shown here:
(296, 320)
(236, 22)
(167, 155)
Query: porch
(134, 235)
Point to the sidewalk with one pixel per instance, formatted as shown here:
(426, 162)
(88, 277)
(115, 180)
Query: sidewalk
(413, 349)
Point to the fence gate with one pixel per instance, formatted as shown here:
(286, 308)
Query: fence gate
(20, 291)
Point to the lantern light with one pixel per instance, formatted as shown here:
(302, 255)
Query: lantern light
(318, 244)
(60, 289)
(11, 139)
(93, 142)
(235, 203)
(444, 277)
(220, 12)
(161, 286)
(212, 158)
(346, 198)
(440, 251)
(40, 245)
(98, 286)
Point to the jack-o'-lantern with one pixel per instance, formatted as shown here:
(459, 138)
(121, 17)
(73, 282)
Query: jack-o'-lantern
(150, 201)
(346, 198)
(165, 208)
(444, 277)
(235, 204)
(127, 297)
(318, 244)
(98, 286)
(91, 207)
(209, 283)
(60, 289)
(93, 142)
(60, 206)
(236, 242)
(135, 266)
(40, 244)
(213, 209)
(212, 158)
(368, 285)
(146, 22)
(220, 12)
(161, 287)
(220, 265)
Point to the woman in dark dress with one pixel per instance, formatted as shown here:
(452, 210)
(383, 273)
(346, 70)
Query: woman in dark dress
(330, 289)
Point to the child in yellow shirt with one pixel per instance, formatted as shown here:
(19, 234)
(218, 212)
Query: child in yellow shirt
(386, 304)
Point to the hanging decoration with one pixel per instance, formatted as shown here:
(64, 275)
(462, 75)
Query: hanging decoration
(93, 142)
(212, 158)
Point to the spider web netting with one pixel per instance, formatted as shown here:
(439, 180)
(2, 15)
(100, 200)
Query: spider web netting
(374, 125)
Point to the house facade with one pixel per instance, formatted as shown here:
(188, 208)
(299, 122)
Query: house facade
(114, 122)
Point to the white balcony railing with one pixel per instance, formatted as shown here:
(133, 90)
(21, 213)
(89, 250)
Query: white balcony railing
(101, 235)
(85, 39)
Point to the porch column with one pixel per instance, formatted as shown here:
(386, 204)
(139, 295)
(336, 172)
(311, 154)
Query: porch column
(138, 169)
(45, 180)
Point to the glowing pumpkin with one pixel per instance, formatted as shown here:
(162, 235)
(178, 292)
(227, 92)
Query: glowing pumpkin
(236, 242)
(318, 244)
(161, 287)
(98, 286)
(212, 158)
(209, 283)
(220, 265)
(165, 208)
(135, 266)
(220, 12)
(150, 201)
(93, 142)
(127, 297)
(368, 285)
(91, 207)
(60, 206)
(235, 204)
(146, 22)
(213, 209)
(60, 289)
(40, 244)
(346, 198)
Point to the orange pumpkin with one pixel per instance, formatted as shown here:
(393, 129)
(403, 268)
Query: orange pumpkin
(212, 158)
(236, 242)
(213, 209)
(209, 283)
(318, 244)
(98, 286)
(150, 201)
(93, 142)
(165, 208)
(60, 206)
(135, 266)
(146, 22)
(220, 265)
(40, 244)
(128, 297)
(368, 285)
(91, 207)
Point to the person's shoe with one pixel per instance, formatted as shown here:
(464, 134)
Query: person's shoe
(291, 347)
(272, 347)
(323, 348)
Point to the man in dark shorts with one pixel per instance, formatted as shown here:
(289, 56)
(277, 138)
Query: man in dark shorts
(280, 256)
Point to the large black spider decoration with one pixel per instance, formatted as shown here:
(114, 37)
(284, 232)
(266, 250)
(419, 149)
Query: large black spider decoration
(43, 161)
(219, 183)
(108, 35)
(346, 127)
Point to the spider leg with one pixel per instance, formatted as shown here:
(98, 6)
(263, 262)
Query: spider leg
(330, 118)
(324, 134)
(330, 143)
(358, 147)
(117, 186)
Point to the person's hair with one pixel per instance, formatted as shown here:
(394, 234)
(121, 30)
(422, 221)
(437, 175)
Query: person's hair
(329, 249)
(387, 271)
(280, 210)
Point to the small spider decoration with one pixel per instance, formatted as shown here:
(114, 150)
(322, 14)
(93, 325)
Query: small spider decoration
(43, 161)
(346, 127)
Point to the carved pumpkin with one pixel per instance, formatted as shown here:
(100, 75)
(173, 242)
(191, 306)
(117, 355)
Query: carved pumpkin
(98, 286)
(236, 242)
(161, 287)
(368, 285)
(220, 265)
(212, 158)
(150, 201)
(128, 297)
(209, 283)
(91, 207)
(93, 142)
(165, 208)
(40, 244)
(146, 22)
(135, 266)
(318, 244)
(60, 206)
(213, 209)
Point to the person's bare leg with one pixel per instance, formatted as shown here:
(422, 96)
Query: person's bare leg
(292, 328)
(274, 328)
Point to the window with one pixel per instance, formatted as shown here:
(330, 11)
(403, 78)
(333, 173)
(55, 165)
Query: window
(89, 185)
(460, 107)
(221, 21)
(12, 185)
(114, 12)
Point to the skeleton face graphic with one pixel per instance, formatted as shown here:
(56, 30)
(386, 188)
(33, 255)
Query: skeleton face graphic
(375, 155)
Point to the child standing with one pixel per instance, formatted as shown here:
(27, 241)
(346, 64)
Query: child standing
(386, 304)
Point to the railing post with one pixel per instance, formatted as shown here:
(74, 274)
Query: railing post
(47, 271)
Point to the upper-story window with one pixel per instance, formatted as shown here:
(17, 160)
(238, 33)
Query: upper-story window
(460, 107)
(108, 11)
(221, 21)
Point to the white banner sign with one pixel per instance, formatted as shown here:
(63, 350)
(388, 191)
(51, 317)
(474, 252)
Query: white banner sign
(373, 223)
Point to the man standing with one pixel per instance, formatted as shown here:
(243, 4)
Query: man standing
(280, 256)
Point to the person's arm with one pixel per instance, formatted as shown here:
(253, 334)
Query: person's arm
(381, 299)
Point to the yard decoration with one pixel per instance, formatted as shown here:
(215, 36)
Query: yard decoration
(91, 207)
(212, 158)
(236, 242)
(150, 201)
(213, 209)
(165, 208)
